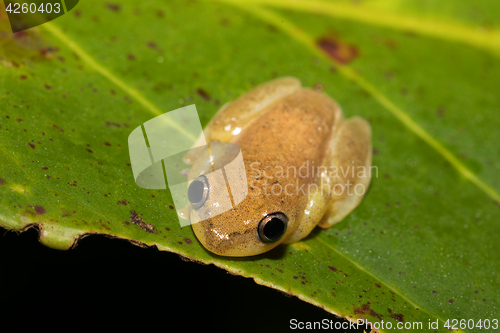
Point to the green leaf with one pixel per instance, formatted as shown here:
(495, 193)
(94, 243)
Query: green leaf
(423, 245)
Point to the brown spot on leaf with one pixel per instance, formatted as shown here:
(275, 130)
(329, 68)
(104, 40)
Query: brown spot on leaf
(122, 202)
(451, 301)
(90, 151)
(23, 77)
(203, 94)
(45, 168)
(113, 7)
(107, 143)
(374, 314)
(398, 316)
(434, 292)
(31, 145)
(39, 210)
(440, 112)
(153, 46)
(137, 220)
(188, 241)
(332, 268)
(362, 310)
(2, 181)
(58, 128)
(48, 87)
(337, 49)
(130, 56)
(110, 123)
(19, 119)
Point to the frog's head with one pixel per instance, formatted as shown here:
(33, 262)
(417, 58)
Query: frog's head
(268, 214)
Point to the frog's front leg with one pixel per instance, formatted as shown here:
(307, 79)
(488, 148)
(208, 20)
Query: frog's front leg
(350, 169)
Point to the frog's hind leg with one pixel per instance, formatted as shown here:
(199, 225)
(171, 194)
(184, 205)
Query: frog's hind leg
(350, 169)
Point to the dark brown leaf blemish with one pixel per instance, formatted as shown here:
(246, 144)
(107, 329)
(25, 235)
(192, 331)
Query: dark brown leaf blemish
(58, 128)
(122, 202)
(113, 7)
(398, 316)
(332, 268)
(2, 181)
(110, 123)
(137, 220)
(337, 49)
(188, 241)
(203, 94)
(48, 87)
(39, 210)
(362, 310)
(374, 314)
(31, 145)
(154, 46)
(440, 111)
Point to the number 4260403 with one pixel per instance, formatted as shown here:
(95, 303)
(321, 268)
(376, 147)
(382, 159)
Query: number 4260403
(18, 8)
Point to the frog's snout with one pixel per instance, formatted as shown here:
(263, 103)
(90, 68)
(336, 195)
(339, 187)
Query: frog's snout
(272, 227)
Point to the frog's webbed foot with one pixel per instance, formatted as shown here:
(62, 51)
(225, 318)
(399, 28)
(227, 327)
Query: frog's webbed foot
(351, 157)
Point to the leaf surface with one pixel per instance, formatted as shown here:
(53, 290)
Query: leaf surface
(424, 243)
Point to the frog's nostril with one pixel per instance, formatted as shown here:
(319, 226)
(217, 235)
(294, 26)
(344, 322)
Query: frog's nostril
(198, 192)
(272, 227)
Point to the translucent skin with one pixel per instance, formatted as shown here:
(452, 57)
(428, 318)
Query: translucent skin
(281, 127)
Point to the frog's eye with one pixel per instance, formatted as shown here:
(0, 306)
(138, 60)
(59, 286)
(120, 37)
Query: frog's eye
(198, 192)
(272, 227)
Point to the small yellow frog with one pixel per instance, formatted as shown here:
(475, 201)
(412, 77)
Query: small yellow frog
(305, 165)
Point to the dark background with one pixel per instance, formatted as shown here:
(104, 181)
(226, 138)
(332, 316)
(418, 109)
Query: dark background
(117, 282)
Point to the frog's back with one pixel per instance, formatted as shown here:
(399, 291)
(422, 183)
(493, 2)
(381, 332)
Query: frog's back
(294, 130)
